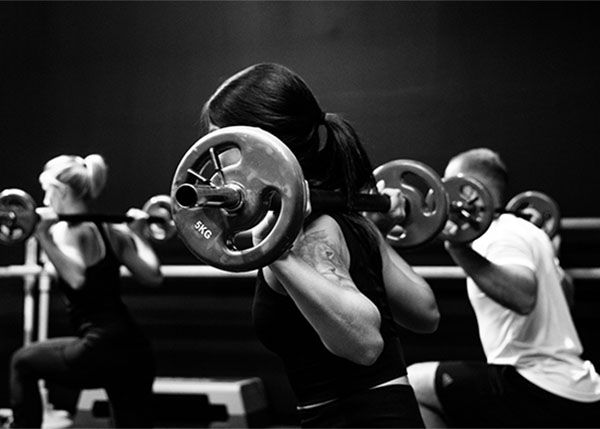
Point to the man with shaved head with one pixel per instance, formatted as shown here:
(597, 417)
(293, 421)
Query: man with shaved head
(534, 375)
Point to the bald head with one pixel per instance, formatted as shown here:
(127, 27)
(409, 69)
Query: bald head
(484, 165)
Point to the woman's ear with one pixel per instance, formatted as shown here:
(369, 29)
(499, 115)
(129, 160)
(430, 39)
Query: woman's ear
(65, 192)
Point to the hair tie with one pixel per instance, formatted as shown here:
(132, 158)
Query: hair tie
(323, 116)
(81, 160)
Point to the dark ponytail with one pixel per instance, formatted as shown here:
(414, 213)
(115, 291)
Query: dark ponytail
(351, 171)
(274, 98)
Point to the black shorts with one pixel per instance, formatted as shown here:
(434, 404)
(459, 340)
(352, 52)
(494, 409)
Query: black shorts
(476, 394)
(393, 406)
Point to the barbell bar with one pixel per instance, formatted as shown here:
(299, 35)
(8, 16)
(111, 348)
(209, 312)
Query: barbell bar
(214, 199)
(19, 217)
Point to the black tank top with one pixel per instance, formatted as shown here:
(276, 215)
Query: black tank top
(316, 374)
(97, 303)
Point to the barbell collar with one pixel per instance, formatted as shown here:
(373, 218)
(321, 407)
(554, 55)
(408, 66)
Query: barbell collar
(470, 211)
(10, 215)
(465, 212)
(229, 197)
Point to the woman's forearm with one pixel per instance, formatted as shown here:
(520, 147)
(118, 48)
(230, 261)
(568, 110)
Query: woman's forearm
(346, 321)
(412, 301)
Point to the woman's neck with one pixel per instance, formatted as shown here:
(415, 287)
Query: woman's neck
(75, 207)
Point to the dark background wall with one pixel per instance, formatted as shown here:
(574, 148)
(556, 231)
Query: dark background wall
(419, 80)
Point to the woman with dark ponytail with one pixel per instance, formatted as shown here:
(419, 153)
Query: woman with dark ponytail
(110, 350)
(331, 305)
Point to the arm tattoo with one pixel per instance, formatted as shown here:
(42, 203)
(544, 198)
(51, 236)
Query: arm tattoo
(317, 251)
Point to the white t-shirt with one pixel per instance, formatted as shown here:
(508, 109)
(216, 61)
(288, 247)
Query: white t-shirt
(543, 345)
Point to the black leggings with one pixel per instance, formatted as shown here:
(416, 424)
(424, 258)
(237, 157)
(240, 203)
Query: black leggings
(385, 407)
(126, 373)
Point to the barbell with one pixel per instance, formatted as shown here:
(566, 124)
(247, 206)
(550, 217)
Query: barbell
(229, 180)
(471, 209)
(18, 217)
(538, 208)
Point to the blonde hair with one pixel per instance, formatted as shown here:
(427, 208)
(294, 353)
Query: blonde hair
(85, 176)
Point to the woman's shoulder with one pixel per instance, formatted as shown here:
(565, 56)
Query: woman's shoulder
(73, 232)
(83, 238)
(323, 222)
(324, 232)
(345, 224)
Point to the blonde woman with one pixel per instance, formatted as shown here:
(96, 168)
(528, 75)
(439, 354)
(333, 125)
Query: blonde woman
(109, 351)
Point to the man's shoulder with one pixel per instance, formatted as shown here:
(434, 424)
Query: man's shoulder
(508, 222)
(507, 228)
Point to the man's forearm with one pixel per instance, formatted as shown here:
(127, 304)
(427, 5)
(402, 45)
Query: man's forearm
(512, 286)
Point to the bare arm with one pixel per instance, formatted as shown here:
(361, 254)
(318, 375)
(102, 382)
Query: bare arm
(137, 255)
(412, 301)
(513, 286)
(315, 275)
(65, 251)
